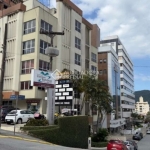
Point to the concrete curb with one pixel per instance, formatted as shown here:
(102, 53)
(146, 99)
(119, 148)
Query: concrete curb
(29, 140)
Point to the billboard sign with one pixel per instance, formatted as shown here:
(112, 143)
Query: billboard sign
(42, 79)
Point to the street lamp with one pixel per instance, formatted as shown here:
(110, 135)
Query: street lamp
(51, 52)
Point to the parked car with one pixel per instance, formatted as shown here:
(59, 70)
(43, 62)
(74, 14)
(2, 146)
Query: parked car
(21, 116)
(135, 144)
(137, 136)
(148, 131)
(129, 145)
(5, 110)
(116, 145)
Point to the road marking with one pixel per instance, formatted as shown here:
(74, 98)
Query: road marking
(20, 138)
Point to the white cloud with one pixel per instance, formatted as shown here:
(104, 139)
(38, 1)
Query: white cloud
(142, 77)
(126, 18)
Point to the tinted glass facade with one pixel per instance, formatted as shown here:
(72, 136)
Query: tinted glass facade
(116, 89)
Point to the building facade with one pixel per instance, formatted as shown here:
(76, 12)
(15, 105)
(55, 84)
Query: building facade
(126, 75)
(25, 47)
(109, 71)
(78, 47)
(141, 107)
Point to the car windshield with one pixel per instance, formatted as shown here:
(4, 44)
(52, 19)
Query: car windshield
(13, 112)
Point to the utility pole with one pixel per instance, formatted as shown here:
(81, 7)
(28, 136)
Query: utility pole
(3, 68)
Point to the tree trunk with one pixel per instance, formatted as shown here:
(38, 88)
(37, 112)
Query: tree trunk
(97, 121)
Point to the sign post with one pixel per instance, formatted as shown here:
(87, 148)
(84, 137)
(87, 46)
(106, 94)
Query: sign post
(45, 79)
(16, 97)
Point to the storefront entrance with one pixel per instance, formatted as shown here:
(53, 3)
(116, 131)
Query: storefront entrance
(33, 105)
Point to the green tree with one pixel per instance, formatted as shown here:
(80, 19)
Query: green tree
(134, 115)
(102, 99)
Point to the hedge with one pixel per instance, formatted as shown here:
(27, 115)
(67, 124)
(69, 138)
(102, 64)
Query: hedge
(27, 128)
(37, 122)
(71, 132)
(99, 144)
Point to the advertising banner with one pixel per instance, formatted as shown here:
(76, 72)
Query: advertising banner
(42, 79)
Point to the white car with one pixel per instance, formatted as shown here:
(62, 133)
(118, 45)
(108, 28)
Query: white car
(21, 116)
(148, 131)
(129, 145)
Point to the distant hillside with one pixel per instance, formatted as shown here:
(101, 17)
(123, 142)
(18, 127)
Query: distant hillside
(145, 94)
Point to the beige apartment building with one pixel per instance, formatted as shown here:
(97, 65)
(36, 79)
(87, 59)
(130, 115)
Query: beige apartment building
(141, 107)
(25, 47)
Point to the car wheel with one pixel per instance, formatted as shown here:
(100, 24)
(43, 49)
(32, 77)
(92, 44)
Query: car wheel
(8, 122)
(19, 121)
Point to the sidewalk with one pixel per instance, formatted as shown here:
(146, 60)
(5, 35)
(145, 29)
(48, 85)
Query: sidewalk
(21, 136)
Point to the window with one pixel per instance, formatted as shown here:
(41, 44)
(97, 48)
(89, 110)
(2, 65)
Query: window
(29, 27)
(104, 60)
(43, 65)
(94, 69)
(93, 57)
(26, 85)
(41, 88)
(77, 43)
(43, 46)
(77, 59)
(46, 26)
(105, 71)
(100, 72)
(28, 46)
(101, 61)
(77, 26)
(27, 66)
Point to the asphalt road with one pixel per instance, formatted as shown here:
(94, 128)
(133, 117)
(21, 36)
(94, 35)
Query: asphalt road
(144, 144)
(15, 144)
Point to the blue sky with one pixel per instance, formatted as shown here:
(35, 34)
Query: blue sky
(130, 21)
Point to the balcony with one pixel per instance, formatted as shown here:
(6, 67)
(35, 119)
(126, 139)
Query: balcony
(12, 9)
(126, 114)
(117, 123)
(127, 106)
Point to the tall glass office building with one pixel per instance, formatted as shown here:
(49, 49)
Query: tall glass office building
(45, 2)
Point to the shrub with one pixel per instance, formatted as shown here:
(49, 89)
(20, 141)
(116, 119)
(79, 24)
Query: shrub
(72, 132)
(56, 121)
(27, 128)
(100, 136)
(37, 122)
(99, 144)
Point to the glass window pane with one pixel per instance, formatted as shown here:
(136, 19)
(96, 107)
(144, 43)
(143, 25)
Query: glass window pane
(32, 63)
(27, 64)
(23, 64)
(26, 84)
(29, 24)
(33, 43)
(42, 24)
(22, 85)
(46, 26)
(45, 45)
(41, 43)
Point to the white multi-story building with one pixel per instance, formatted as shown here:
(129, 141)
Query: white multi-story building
(109, 70)
(141, 107)
(126, 75)
(25, 47)
(79, 46)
